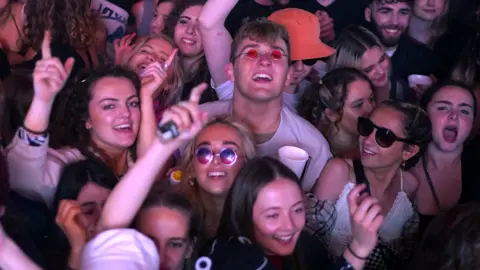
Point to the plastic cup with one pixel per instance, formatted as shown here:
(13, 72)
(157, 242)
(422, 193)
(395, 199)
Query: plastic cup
(294, 158)
(416, 79)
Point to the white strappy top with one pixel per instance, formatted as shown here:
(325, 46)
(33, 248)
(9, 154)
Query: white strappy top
(391, 229)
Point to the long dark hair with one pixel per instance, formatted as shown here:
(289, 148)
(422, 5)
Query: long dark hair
(69, 120)
(70, 22)
(237, 217)
(416, 126)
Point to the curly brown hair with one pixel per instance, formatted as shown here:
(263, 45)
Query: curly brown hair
(70, 21)
(68, 120)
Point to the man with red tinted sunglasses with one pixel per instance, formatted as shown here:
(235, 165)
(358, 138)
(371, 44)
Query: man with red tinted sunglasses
(257, 72)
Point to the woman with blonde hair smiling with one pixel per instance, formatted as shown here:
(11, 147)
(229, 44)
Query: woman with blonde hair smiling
(357, 47)
(210, 164)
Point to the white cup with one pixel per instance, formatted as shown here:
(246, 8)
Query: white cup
(415, 79)
(294, 158)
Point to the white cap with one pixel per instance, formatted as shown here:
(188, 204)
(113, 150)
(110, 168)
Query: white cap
(120, 249)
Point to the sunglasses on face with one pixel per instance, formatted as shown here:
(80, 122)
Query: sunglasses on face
(384, 137)
(227, 156)
(255, 54)
(307, 62)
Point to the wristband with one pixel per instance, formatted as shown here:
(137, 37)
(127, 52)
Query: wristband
(38, 133)
(355, 254)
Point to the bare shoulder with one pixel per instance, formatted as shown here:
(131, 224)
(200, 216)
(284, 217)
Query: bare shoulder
(411, 183)
(334, 176)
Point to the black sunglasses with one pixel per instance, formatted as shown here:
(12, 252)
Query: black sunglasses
(384, 137)
(308, 62)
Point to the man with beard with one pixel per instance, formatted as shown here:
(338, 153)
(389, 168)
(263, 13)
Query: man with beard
(389, 20)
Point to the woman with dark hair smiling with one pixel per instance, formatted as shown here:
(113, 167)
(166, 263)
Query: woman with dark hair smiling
(101, 120)
(263, 219)
(391, 141)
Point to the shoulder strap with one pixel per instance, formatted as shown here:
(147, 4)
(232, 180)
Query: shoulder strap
(360, 175)
(430, 183)
(145, 25)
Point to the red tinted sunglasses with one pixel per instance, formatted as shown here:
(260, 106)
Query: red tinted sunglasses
(254, 54)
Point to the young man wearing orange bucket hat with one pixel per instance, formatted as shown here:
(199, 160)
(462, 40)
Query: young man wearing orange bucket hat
(306, 48)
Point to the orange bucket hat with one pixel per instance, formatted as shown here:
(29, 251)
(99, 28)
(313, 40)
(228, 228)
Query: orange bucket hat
(303, 30)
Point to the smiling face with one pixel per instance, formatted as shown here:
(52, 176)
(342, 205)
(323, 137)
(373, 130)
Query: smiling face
(154, 50)
(451, 113)
(278, 217)
(390, 20)
(260, 70)
(169, 229)
(360, 101)
(186, 34)
(114, 114)
(216, 177)
(429, 10)
(375, 156)
(376, 65)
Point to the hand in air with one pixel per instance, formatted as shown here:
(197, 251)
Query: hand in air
(67, 219)
(327, 30)
(186, 115)
(123, 47)
(154, 76)
(366, 219)
(50, 75)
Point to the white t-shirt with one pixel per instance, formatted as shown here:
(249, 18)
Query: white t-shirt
(225, 92)
(293, 131)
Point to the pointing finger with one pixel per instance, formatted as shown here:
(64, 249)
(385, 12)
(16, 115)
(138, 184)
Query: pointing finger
(46, 51)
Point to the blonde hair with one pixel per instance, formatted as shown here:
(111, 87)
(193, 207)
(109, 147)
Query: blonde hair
(350, 46)
(440, 24)
(175, 85)
(186, 185)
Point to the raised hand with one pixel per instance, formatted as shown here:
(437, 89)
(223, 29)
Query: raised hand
(155, 75)
(327, 30)
(123, 47)
(50, 75)
(186, 115)
(366, 219)
(67, 219)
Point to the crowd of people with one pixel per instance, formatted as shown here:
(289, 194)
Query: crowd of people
(156, 134)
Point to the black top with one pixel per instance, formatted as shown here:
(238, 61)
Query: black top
(240, 253)
(413, 57)
(4, 65)
(399, 90)
(62, 51)
(247, 10)
(343, 12)
(208, 95)
(470, 180)
(127, 6)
